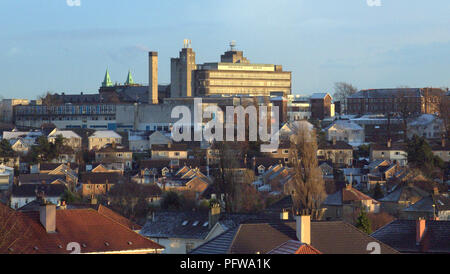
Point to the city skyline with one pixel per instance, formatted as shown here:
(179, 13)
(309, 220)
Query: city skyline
(47, 47)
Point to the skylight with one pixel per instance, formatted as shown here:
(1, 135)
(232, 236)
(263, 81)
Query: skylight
(205, 224)
(195, 223)
(184, 223)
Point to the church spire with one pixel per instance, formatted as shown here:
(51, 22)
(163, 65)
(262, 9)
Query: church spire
(107, 81)
(129, 79)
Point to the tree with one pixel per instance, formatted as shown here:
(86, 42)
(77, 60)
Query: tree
(225, 174)
(420, 155)
(6, 149)
(248, 198)
(378, 192)
(363, 222)
(307, 187)
(171, 201)
(342, 91)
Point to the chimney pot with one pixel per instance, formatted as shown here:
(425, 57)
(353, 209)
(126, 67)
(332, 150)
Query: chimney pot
(303, 228)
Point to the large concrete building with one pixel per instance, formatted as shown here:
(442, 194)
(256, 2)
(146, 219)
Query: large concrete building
(233, 75)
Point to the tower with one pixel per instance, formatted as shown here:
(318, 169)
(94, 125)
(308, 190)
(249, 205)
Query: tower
(181, 72)
(107, 81)
(129, 80)
(153, 77)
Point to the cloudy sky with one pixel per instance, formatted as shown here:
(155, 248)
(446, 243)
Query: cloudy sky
(49, 45)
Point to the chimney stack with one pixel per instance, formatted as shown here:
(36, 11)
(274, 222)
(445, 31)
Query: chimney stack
(334, 140)
(47, 216)
(443, 141)
(284, 215)
(303, 229)
(435, 190)
(389, 143)
(420, 230)
(214, 215)
(153, 77)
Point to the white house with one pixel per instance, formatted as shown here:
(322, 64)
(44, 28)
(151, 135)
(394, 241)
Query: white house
(426, 125)
(101, 138)
(6, 177)
(347, 131)
(71, 139)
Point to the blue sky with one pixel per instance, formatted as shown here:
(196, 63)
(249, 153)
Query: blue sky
(47, 45)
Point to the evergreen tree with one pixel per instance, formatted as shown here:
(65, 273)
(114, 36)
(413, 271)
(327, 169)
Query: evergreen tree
(363, 222)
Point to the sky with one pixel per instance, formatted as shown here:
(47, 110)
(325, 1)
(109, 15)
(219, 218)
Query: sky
(58, 46)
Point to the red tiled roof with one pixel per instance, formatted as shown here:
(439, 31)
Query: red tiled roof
(92, 230)
(307, 249)
(351, 194)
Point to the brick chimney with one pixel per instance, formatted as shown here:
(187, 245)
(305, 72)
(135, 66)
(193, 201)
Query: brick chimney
(303, 229)
(214, 215)
(420, 230)
(389, 143)
(334, 140)
(435, 190)
(47, 216)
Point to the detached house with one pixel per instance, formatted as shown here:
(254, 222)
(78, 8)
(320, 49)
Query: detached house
(347, 131)
(102, 138)
(346, 203)
(394, 152)
(339, 153)
(71, 139)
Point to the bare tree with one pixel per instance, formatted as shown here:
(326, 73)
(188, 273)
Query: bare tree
(444, 113)
(342, 91)
(307, 187)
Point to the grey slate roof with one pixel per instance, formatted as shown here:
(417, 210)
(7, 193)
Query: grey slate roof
(30, 190)
(401, 235)
(403, 193)
(218, 245)
(187, 225)
(329, 237)
(441, 202)
(384, 93)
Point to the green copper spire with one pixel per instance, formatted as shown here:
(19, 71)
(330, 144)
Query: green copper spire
(129, 79)
(107, 81)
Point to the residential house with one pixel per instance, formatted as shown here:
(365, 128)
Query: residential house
(138, 141)
(328, 237)
(118, 155)
(159, 138)
(394, 152)
(169, 151)
(433, 207)
(85, 231)
(101, 138)
(25, 193)
(94, 184)
(401, 196)
(181, 232)
(6, 177)
(346, 203)
(428, 126)
(416, 236)
(71, 139)
(20, 146)
(347, 131)
(339, 153)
